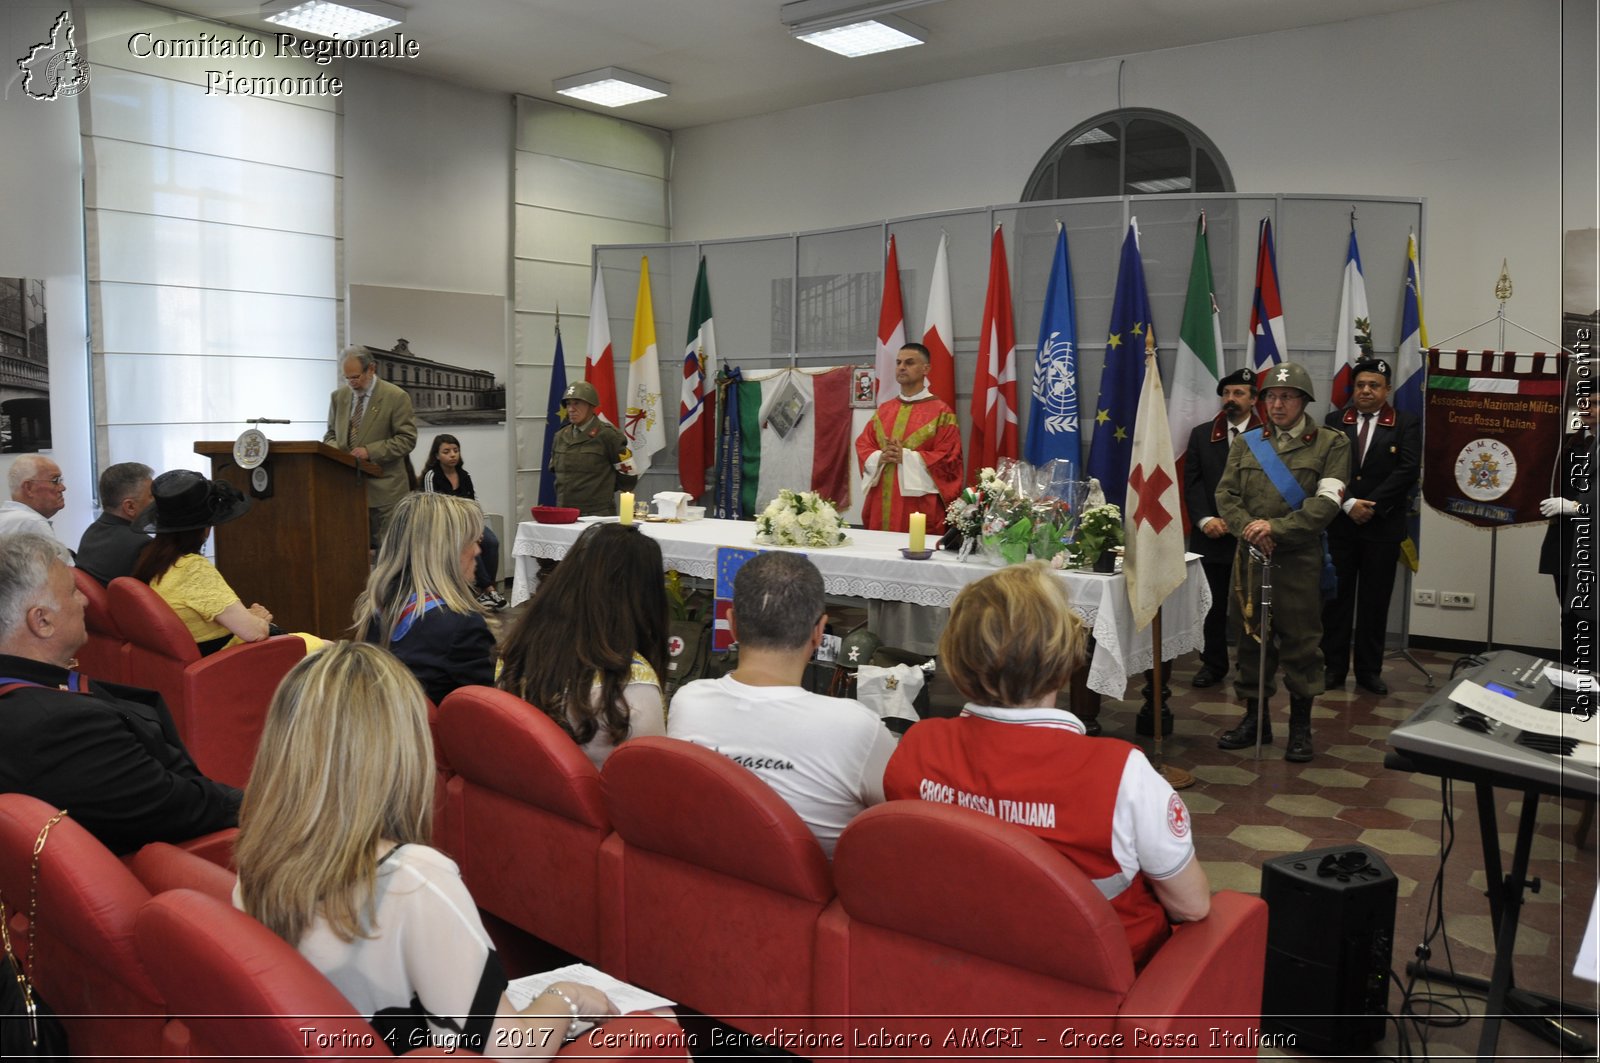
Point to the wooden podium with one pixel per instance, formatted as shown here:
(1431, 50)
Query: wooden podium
(302, 552)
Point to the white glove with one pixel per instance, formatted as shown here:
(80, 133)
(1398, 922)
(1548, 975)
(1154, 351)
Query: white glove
(1558, 507)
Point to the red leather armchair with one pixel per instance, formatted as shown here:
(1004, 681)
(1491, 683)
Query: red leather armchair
(162, 867)
(104, 654)
(525, 801)
(711, 886)
(84, 961)
(219, 703)
(237, 990)
(944, 913)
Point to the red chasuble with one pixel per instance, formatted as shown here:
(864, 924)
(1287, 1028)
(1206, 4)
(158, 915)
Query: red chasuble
(928, 427)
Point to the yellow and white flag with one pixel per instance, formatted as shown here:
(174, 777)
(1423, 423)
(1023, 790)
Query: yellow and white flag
(641, 420)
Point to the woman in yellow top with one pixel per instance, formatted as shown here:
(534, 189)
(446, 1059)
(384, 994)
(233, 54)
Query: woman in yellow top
(187, 506)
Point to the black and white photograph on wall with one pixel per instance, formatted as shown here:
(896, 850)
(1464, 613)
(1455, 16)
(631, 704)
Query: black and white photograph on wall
(444, 349)
(24, 367)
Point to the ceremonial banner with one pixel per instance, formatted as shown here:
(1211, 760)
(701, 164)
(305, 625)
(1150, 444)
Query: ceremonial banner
(891, 325)
(813, 454)
(697, 437)
(940, 335)
(1122, 375)
(598, 368)
(1408, 374)
(993, 434)
(555, 418)
(1268, 341)
(1053, 412)
(1494, 433)
(1353, 328)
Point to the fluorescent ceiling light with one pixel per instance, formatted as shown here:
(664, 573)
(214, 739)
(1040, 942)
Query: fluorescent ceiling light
(1161, 184)
(862, 36)
(353, 18)
(611, 86)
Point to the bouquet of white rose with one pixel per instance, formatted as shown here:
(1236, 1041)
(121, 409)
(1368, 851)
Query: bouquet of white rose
(800, 518)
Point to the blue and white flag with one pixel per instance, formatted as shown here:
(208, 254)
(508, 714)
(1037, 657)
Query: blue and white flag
(1053, 412)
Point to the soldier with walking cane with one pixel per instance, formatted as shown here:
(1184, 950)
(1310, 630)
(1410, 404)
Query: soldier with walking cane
(1281, 488)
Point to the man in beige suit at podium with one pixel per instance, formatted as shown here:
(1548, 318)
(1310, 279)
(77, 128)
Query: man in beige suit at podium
(373, 420)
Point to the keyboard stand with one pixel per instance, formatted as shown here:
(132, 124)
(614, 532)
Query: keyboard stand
(1544, 1016)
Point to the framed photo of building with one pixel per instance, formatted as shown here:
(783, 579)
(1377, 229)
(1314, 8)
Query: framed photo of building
(448, 350)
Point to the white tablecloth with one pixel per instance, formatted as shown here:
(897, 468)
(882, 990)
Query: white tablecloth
(871, 567)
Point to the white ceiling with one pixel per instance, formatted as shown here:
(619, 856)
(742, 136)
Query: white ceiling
(733, 58)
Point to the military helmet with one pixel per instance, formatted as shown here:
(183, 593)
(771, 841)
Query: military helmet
(582, 390)
(1289, 375)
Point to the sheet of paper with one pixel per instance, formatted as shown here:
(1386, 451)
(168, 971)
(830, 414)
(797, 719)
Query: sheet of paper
(1523, 717)
(626, 997)
(1565, 680)
(1588, 965)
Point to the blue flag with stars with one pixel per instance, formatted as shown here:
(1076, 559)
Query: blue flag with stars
(555, 420)
(1111, 445)
(1053, 411)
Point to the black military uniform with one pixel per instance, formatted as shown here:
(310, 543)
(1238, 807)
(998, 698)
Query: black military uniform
(1202, 469)
(1365, 555)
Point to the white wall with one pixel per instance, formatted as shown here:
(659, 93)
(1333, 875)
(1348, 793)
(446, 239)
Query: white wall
(427, 205)
(41, 236)
(1455, 103)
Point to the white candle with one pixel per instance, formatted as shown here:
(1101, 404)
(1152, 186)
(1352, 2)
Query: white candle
(919, 532)
(625, 507)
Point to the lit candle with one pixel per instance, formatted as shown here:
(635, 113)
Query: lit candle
(919, 532)
(625, 507)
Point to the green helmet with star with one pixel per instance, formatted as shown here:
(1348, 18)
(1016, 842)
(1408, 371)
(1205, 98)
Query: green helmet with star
(1289, 375)
(582, 390)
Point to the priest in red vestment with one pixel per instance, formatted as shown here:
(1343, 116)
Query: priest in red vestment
(910, 452)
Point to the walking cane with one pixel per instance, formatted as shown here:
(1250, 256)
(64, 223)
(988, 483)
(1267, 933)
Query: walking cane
(1264, 626)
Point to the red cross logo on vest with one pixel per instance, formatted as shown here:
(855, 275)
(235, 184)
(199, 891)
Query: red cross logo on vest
(674, 646)
(1148, 508)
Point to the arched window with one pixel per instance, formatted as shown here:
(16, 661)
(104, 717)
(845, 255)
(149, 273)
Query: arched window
(1131, 152)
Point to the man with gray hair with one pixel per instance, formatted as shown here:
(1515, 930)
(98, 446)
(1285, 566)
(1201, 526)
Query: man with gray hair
(110, 547)
(824, 756)
(109, 754)
(373, 420)
(37, 494)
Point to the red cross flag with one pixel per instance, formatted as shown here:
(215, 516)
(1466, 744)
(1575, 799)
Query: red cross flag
(1153, 559)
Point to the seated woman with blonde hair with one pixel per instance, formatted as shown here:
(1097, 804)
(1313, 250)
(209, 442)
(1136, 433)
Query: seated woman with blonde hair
(1012, 643)
(591, 648)
(418, 601)
(333, 857)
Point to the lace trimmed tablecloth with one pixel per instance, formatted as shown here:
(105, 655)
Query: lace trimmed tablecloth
(871, 567)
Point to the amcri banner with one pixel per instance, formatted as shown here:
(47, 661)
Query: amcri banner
(1493, 432)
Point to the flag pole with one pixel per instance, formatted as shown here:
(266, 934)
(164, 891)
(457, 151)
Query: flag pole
(1177, 778)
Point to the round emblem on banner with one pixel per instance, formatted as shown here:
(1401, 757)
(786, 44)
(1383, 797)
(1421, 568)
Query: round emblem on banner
(1485, 469)
(674, 646)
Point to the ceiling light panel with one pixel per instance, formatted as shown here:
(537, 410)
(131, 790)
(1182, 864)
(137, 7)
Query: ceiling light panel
(328, 19)
(611, 87)
(870, 36)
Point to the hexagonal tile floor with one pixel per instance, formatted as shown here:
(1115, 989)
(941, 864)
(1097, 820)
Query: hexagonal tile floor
(1346, 796)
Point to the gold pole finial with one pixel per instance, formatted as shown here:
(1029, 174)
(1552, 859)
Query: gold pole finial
(1502, 287)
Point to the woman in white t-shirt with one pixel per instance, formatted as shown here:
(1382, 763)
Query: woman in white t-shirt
(333, 857)
(591, 647)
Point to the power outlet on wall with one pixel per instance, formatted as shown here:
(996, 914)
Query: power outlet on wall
(1457, 599)
(1422, 597)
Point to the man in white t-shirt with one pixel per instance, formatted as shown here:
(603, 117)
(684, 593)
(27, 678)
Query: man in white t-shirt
(37, 494)
(824, 756)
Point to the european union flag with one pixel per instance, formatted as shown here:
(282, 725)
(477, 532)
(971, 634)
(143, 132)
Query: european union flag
(555, 418)
(1053, 411)
(1111, 446)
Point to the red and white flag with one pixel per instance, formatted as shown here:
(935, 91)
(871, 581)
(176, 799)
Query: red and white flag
(891, 326)
(1268, 342)
(598, 369)
(940, 335)
(1352, 338)
(994, 385)
(1153, 559)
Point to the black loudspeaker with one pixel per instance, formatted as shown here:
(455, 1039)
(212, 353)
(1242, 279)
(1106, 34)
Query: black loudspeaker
(1330, 932)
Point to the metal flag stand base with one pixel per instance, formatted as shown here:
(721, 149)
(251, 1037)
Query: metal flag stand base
(1176, 778)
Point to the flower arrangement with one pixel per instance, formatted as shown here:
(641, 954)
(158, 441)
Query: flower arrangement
(800, 518)
(1098, 531)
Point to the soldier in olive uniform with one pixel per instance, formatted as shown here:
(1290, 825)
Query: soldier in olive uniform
(1318, 458)
(590, 457)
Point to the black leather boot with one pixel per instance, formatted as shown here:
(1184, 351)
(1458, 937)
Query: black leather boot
(1244, 734)
(1299, 748)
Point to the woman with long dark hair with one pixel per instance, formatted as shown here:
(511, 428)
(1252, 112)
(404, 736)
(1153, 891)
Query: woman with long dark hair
(591, 647)
(445, 473)
(187, 506)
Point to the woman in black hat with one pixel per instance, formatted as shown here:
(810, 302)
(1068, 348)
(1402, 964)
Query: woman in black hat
(187, 507)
